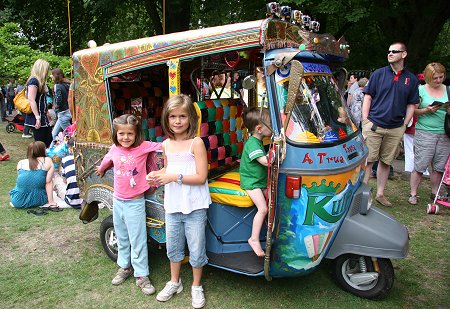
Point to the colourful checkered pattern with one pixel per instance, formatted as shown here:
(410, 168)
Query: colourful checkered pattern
(222, 130)
(220, 121)
(143, 100)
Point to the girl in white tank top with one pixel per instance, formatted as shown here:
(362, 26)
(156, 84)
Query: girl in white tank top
(186, 194)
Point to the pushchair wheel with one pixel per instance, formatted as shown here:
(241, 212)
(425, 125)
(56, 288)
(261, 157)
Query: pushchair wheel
(432, 209)
(10, 128)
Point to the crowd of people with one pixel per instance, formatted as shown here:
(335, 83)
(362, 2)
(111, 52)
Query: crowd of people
(44, 123)
(393, 105)
(389, 106)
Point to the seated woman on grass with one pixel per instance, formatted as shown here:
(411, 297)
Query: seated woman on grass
(34, 186)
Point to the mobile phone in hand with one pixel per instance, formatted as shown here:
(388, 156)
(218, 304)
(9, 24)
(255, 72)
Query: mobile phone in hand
(436, 103)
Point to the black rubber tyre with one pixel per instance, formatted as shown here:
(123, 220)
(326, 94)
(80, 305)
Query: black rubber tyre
(349, 263)
(108, 238)
(10, 128)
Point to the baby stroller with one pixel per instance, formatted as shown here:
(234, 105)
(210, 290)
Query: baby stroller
(443, 194)
(17, 123)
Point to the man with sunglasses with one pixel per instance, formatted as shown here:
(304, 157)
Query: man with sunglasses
(388, 106)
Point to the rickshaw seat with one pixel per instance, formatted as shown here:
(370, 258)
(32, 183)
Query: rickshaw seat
(226, 190)
(220, 126)
(129, 96)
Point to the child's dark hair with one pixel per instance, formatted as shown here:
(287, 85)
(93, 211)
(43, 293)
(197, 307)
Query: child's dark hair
(252, 117)
(34, 151)
(124, 120)
(180, 101)
(58, 74)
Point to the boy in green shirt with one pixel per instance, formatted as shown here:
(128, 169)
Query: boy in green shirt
(253, 170)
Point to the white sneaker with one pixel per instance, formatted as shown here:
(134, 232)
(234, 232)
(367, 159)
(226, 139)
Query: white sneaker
(198, 297)
(27, 136)
(169, 290)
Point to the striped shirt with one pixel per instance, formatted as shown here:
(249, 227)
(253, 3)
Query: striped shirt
(72, 191)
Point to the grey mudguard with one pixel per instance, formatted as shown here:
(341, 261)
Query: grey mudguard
(376, 234)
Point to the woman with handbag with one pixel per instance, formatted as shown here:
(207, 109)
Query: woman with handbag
(431, 144)
(36, 94)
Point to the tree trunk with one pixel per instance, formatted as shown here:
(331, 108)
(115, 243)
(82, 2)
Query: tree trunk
(418, 33)
(177, 15)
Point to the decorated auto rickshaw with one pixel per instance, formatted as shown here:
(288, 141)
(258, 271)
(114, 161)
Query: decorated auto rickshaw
(318, 206)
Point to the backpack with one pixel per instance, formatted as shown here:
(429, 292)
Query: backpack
(22, 103)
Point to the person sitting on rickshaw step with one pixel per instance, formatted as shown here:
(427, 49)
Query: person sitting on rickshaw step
(253, 170)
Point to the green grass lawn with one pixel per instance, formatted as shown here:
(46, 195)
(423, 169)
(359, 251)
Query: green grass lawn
(54, 261)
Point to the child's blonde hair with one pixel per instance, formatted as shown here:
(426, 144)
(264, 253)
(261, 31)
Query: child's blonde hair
(124, 120)
(180, 101)
(252, 117)
(40, 72)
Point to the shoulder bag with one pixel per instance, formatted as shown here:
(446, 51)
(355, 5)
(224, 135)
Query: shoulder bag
(447, 116)
(22, 103)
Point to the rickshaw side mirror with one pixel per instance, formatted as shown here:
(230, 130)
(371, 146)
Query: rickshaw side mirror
(341, 77)
(249, 82)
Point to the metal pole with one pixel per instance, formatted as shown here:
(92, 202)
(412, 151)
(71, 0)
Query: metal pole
(164, 17)
(70, 37)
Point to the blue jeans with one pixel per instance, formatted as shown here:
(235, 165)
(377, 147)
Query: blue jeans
(10, 104)
(61, 124)
(131, 232)
(190, 227)
(3, 108)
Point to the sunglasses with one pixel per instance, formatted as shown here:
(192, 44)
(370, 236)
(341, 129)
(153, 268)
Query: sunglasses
(395, 51)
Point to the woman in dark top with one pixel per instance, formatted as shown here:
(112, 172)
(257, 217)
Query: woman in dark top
(60, 102)
(36, 92)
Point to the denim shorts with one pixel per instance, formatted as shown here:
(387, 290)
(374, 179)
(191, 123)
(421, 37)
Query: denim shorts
(187, 227)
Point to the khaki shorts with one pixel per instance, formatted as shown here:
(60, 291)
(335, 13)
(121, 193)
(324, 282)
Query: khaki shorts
(382, 142)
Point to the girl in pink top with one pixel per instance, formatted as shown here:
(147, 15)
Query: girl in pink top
(128, 155)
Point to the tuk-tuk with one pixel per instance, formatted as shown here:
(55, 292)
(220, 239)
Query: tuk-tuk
(318, 206)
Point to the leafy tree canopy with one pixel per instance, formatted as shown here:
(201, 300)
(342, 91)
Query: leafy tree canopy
(369, 26)
(17, 57)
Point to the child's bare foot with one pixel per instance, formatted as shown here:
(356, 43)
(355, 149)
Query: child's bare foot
(256, 246)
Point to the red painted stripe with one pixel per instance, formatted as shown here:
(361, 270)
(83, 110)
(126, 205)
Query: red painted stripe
(227, 180)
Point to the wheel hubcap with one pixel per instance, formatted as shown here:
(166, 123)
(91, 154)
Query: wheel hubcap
(358, 279)
(111, 239)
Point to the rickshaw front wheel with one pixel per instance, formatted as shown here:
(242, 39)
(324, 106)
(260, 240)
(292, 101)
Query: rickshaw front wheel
(363, 276)
(108, 238)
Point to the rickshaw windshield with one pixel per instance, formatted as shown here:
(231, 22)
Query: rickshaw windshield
(318, 115)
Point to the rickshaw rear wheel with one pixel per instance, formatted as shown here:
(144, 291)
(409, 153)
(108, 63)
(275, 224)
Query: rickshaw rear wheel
(10, 128)
(371, 284)
(108, 238)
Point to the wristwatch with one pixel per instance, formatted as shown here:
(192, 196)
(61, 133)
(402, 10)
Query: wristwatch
(180, 179)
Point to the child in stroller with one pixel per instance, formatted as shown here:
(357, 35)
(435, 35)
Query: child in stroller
(16, 123)
(443, 194)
